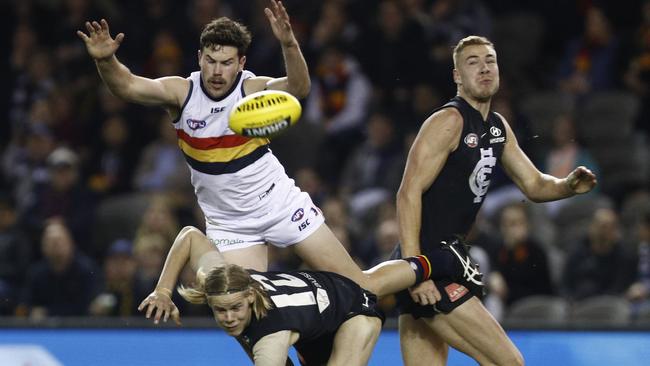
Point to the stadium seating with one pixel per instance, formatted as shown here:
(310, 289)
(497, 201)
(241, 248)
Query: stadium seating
(537, 311)
(600, 311)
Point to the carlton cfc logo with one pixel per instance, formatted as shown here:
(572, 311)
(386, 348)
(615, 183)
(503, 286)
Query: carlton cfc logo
(479, 180)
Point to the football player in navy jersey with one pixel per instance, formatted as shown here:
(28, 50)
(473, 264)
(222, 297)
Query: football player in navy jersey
(328, 318)
(446, 178)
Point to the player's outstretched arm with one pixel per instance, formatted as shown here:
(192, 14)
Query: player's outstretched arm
(168, 91)
(192, 246)
(273, 349)
(538, 186)
(297, 81)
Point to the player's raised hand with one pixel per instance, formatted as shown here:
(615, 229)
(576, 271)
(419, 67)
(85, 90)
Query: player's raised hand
(99, 43)
(279, 20)
(581, 180)
(162, 303)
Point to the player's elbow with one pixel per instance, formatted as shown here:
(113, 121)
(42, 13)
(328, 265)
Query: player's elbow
(408, 193)
(534, 197)
(301, 91)
(533, 189)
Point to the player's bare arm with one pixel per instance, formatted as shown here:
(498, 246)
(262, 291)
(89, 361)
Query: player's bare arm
(437, 138)
(273, 349)
(190, 246)
(169, 92)
(538, 186)
(297, 81)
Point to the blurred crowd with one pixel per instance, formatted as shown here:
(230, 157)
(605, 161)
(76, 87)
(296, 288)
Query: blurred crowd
(93, 190)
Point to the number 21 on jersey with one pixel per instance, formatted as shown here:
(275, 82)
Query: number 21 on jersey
(304, 298)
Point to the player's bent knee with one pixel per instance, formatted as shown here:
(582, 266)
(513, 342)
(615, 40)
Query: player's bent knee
(513, 358)
(355, 340)
(365, 328)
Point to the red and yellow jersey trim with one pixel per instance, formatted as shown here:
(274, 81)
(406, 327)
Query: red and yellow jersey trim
(218, 155)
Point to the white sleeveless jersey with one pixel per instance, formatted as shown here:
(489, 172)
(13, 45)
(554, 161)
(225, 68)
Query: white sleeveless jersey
(231, 174)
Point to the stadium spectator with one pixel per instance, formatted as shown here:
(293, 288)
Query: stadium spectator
(521, 266)
(119, 293)
(24, 163)
(64, 282)
(338, 102)
(590, 62)
(600, 264)
(63, 195)
(161, 167)
(372, 173)
(382, 49)
(639, 291)
(15, 255)
(565, 153)
(637, 72)
(116, 158)
(159, 218)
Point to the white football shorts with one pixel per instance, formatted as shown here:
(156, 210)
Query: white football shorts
(291, 218)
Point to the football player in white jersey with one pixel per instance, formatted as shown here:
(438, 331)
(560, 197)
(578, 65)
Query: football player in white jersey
(246, 196)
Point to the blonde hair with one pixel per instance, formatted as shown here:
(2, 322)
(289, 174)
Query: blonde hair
(228, 279)
(469, 41)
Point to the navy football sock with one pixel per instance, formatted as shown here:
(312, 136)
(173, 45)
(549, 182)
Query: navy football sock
(443, 265)
(421, 266)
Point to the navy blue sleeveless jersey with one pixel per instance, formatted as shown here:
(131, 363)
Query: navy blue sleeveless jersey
(450, 205)
(314, 304)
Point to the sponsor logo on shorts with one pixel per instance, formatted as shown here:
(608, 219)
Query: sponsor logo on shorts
(298, 215)
(303, 225)
(471, 140)
(266, 193)
(195, 124)
(455, 291)
(226, 242)
(315, 211)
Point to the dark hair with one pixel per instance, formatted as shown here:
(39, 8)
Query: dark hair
(226, 32)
